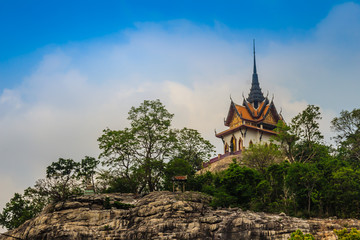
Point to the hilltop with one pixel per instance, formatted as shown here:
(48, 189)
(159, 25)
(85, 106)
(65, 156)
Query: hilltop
(164, 215)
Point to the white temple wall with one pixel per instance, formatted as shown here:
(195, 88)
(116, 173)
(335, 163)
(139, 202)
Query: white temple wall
(266, 137)
(251, 135)
(227, 140)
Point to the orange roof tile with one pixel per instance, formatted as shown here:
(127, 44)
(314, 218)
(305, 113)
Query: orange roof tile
(243, 111)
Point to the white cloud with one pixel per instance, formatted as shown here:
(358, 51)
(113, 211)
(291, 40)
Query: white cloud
(77, 90)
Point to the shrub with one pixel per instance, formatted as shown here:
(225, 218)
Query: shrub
(343, 234)
(298, 235)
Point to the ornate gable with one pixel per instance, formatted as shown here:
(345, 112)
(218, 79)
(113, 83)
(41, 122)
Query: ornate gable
(236, 121)
(230, 114)
(270, 119)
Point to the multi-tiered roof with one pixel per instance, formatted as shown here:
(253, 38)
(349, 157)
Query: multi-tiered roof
(256, 112)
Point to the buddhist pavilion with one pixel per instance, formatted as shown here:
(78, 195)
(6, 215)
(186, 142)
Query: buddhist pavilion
(251, 122)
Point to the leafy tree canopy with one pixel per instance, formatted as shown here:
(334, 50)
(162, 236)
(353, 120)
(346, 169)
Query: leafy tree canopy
(299, 138)
(261, 156)
(21, 208)
(347, 127)
(141, 151)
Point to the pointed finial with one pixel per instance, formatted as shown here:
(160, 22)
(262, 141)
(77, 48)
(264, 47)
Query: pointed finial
(255, 96)
(254, 55)
(254, 45)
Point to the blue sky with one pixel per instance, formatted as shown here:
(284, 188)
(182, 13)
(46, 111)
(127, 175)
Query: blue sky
(28, 28)
(69, 69)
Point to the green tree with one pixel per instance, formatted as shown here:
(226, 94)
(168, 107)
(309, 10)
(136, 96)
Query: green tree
(60, 182)
(302, 179)
(16, 212)
(118, 148)
(87, 169)
(261, 156)
(108, 181)
(300, 138)
(241, 182)
(306, 124)
(143, 148)
(345, 184)
(139, 153)
(281, 197)
(287, 140)
(192, 147)
(347, 127)
(21, 208)
(38, 200)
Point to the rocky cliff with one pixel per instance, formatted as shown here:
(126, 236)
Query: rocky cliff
(164, 215)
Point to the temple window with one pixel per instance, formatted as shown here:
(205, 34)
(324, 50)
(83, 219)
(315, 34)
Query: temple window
(233, 144)
(226, 148)
(240, 144)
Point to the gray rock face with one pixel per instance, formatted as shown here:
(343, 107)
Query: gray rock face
(165, 215)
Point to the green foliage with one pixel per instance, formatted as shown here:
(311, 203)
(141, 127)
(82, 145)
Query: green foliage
(223, 199)
(199, 182)
(303, 178)
(117, 147)
(17, 211)
(121, 185)
(144, 147)
(62, 169)
(261, 156)
(344, 234)
(287, 139)
(314, 180)
(22, 207)
(299, 138)
(177, 167)
(324, 188)
(305, 125)
(60, 182)
(87, 169)
(347, 127)
(298, 235)
(139, 153)
(346, 188)
(241, 182)
(190, 145)
(120, 205)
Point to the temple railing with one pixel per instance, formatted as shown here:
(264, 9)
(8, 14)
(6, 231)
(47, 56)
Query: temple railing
(219, 157)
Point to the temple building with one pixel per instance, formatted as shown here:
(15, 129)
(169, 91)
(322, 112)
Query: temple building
(251, 122)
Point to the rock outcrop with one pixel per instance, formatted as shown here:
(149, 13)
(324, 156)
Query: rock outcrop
(164, 215)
